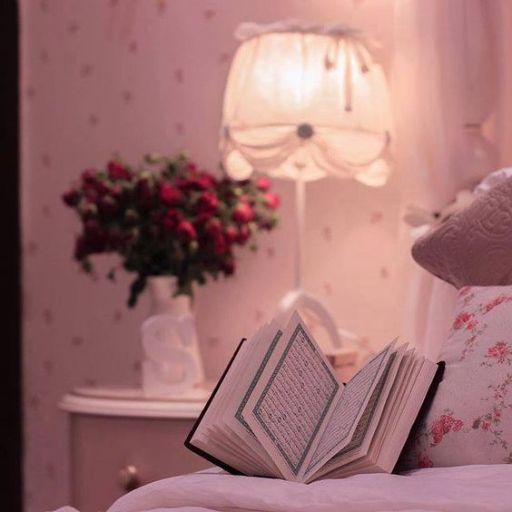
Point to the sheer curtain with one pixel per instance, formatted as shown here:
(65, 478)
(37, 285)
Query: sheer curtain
(443, 86)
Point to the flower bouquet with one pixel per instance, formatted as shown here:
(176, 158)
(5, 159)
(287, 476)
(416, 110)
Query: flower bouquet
(168, 218)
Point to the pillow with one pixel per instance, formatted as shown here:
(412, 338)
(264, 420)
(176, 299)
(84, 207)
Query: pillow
(493, 179)
(474, 245)
(470, 418)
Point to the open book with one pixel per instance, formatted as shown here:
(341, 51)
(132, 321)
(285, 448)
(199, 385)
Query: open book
(279, 410)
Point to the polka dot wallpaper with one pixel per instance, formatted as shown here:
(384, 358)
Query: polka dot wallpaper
(104, 78)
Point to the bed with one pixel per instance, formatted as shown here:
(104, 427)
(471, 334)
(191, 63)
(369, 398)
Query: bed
(476, 488)
(461, 488)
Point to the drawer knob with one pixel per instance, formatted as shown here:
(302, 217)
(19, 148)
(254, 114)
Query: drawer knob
(129, 477)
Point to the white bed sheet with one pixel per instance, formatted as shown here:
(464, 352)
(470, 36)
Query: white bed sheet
(457, 489)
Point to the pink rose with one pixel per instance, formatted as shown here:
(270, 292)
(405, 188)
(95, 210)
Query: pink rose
(243, 213)
(424, 461)
(457, 425)
(169, 195)
(186, 230)
(462, 319)
(464, 291)
(263, 184)
(471, 325)
(496, 302)
(116, 171)
(446, 422)
(500, 351)
(437, 431)
(271, 200)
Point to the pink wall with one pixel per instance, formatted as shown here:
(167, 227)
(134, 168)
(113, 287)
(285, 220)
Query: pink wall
(104, 77)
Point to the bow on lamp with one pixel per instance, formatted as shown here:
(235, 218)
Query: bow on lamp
(302, 102)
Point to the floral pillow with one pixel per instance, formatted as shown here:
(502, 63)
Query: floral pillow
(470, 419)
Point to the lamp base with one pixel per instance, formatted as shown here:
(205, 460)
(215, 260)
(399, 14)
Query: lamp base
(299, 299)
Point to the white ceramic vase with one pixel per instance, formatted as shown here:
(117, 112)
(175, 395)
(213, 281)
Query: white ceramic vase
(172, 366)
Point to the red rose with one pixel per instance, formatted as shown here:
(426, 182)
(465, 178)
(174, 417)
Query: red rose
(116, 171)
(191, 167)
(170, 220)
(144, 194)
(89, 176)
(219, 245)
(228, 267)
(206, 180)
(92, 228)
(185, 184)
(115, 239)
(169, 195)
(271, 200)
(243, 235)
(202, 182)
(95, 236)
(230, 234)
(263, 183)
(208, 203)
(71, 198)
(243, 213)
(214, 228)
(186, 230)
(93, 185)
(81, 248)
(168, 226)
(108, 206)
(116, 191)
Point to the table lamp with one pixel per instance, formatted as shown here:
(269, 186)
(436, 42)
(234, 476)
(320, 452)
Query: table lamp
(305, 101)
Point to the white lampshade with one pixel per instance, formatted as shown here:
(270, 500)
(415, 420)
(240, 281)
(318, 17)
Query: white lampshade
(305, 101)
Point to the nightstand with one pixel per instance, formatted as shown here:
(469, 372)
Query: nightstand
(120, 440)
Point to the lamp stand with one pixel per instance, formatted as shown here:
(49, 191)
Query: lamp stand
(298, 298)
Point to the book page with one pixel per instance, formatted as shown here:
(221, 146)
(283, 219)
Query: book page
(350, 408)
(232, 419)
(292, 399)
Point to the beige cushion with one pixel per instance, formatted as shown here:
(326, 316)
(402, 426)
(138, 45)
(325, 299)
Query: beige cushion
(473, 246)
